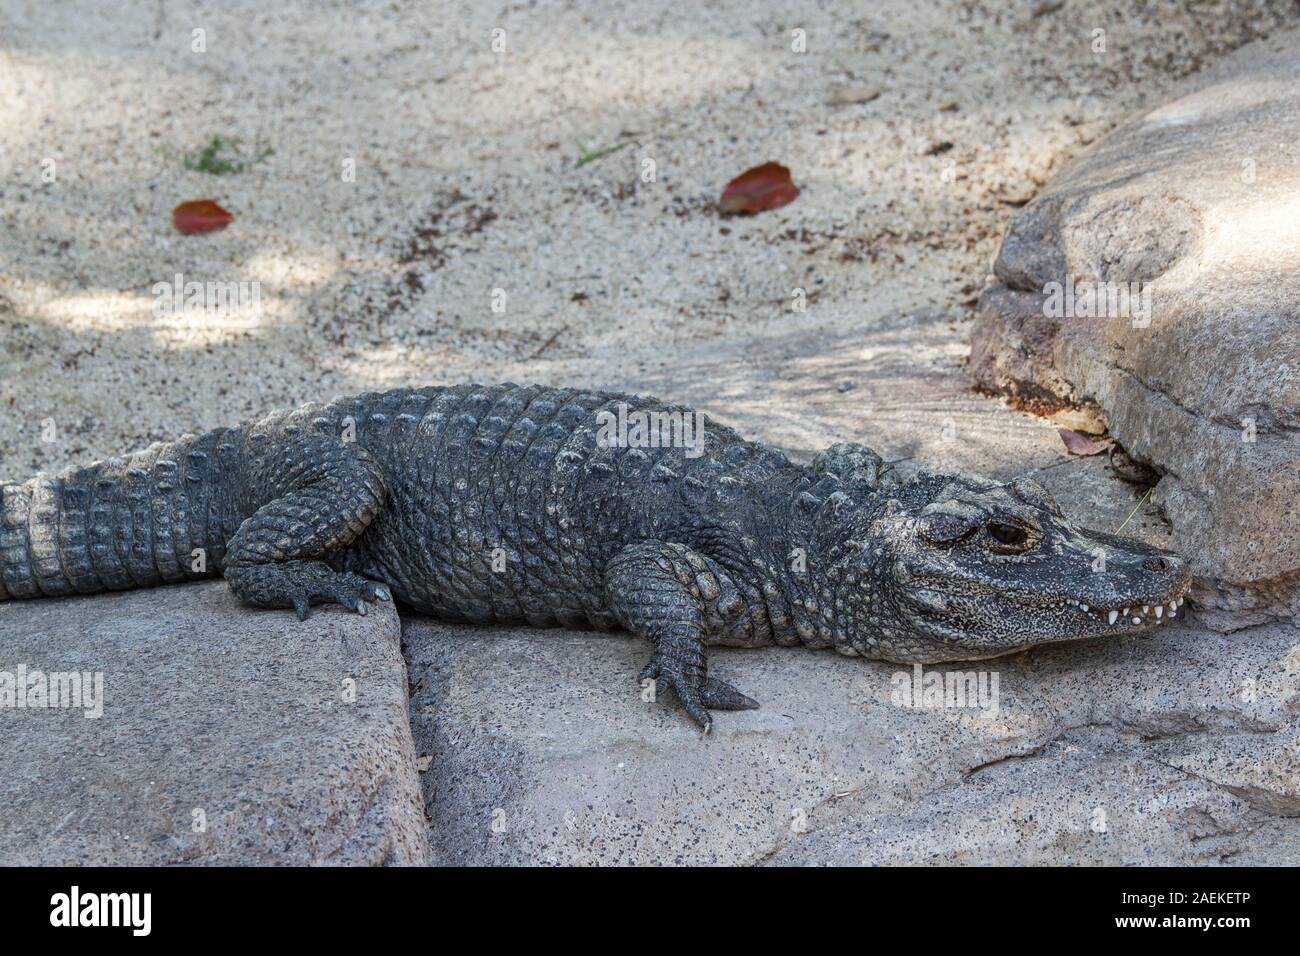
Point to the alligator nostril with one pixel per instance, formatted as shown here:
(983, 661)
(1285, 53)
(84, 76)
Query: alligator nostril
(1159, 562)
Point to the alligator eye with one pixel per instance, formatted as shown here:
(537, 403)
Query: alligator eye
(946, 527)
(1010, 535)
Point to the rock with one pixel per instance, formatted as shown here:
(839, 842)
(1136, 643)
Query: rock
(1194, 208)
(1174, 748)
(214, 716)
(910, 401)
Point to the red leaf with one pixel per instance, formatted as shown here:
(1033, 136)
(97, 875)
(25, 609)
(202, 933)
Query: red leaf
(1077, 443)
(763, 187)
(200, 215)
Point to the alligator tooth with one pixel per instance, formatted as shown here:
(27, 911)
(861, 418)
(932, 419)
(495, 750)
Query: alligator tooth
(1125, 612)
(1160, 611)
(1146, 608)
(1113, 616)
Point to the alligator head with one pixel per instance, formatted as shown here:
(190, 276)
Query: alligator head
(953, 567)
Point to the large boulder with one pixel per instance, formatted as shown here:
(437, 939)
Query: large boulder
(1192, 211)
(1174, 748)
(222, 735)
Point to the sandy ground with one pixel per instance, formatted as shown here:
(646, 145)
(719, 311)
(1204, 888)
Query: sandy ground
(466, 182)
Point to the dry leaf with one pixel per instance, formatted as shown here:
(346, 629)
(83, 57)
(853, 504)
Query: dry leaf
(1077, 443)
(200, 215)
(764, 187)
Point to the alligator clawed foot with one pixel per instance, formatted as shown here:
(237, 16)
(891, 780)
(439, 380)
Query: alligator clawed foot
(698, 694)
(719, 695)
(301, 584)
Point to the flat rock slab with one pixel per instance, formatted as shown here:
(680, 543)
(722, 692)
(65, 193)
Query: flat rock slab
(1179, 747)
(227, 736)
(897, 385)
(1158, 276)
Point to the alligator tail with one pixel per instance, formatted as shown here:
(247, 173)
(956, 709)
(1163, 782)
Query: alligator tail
(160, 515)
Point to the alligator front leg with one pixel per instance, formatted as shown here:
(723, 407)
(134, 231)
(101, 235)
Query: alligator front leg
(318, 494)
(675, 597)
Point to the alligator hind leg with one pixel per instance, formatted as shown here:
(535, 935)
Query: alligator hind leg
(318, 495)
(670, 594)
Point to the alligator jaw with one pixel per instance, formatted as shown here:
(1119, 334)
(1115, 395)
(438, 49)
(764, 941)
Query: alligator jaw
(1123, 619)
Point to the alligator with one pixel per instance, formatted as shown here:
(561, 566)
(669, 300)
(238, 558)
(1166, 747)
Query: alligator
(577, 508)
